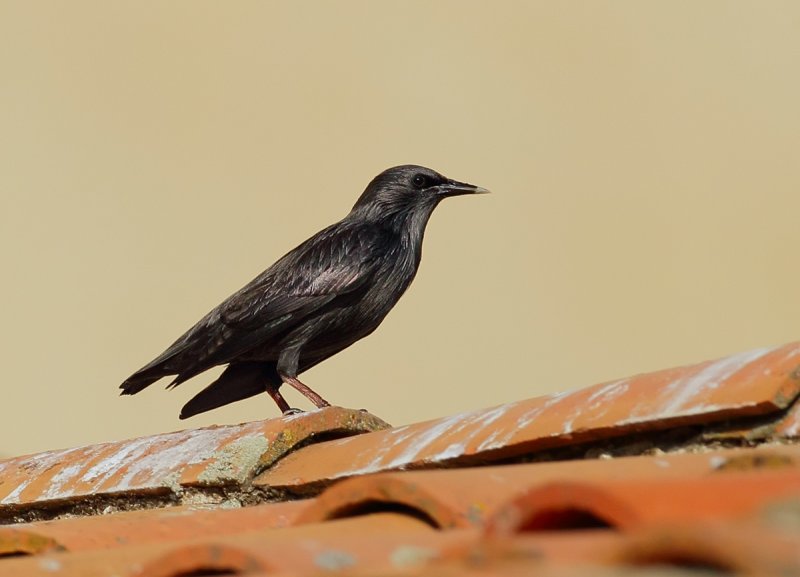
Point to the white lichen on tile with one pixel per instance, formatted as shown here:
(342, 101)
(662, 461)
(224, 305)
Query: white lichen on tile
(235, 462)
(684, 390)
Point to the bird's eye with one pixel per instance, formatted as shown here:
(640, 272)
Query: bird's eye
(419, 180)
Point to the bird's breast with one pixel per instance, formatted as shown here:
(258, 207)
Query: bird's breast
(357, 315)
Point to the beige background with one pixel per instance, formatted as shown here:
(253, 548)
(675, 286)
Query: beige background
(155, 156)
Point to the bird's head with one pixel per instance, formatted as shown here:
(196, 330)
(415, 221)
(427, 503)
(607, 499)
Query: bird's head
(410, 188)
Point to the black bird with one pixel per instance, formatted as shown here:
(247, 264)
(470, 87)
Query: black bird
(329, 292)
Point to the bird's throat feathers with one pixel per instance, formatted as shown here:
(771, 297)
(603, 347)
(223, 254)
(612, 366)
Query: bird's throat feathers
(406, 223)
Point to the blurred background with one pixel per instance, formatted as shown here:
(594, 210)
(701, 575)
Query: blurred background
(156, 156)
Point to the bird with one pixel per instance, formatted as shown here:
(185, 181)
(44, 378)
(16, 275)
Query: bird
(321, 297)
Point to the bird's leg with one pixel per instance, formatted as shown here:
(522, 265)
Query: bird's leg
(279, 400)
(287, 370)
(282, 404)
(305, 390)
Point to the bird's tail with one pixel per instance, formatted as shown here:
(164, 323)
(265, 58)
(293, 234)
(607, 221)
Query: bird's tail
(143, 378)
(170, 362)
(239, 381)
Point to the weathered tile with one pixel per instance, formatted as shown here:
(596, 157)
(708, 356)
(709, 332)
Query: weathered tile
(705, 548)
(788, 427)
(19, 541)
(167, 463)
(369, 542)
(160, 525)
(722, 547)
(632, 505)
(732, 510)
(758, 382)
(474, 496)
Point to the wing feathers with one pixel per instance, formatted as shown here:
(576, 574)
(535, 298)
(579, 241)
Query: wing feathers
(335, 262)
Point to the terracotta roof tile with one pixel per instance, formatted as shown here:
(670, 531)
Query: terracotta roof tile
(762, 382)
(16, 541)
(784, 426)
(789, 426)
(650, 475)
(739, 550)
(720, 548)
(632, 504)
(389, 549)
(159, 525)
(335, 545)
(171, 462)
(471, 497)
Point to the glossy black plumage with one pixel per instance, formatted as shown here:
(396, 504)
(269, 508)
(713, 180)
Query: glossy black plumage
(329, 292)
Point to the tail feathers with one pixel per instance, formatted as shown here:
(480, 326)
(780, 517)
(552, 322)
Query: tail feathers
(239, 381)
(178, 360)
(143, 379)
(173, 361)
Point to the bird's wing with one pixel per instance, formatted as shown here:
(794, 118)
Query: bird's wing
(333, 263)
(336, 262)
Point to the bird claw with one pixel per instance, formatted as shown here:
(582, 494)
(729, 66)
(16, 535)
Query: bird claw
(291, 411)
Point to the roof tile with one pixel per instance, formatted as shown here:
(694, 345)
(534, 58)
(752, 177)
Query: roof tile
(204, 558)
(602, 498)
(789, 426)
(471, 497)
(736, 550)
(785, 426)
(395, 540)
(760, 382)
(15, 541)
(698, 549)
(633, 504)
(161, 525)
(170, 462)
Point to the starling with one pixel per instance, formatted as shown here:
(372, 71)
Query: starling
(320, 298)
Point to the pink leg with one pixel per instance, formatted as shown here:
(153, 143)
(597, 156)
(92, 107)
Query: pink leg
(306, 391)
(278, 398)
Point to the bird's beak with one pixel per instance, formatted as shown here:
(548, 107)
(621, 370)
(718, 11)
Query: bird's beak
(455, 188)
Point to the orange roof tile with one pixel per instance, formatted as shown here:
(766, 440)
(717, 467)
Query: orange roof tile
(170, 463)
(696, 467)
(761, 382)
(467, 497)
(158, 525)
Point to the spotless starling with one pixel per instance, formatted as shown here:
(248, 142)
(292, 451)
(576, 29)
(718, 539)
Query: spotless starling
(320, 298)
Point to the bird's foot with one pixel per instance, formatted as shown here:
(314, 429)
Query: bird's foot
(292, 411)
